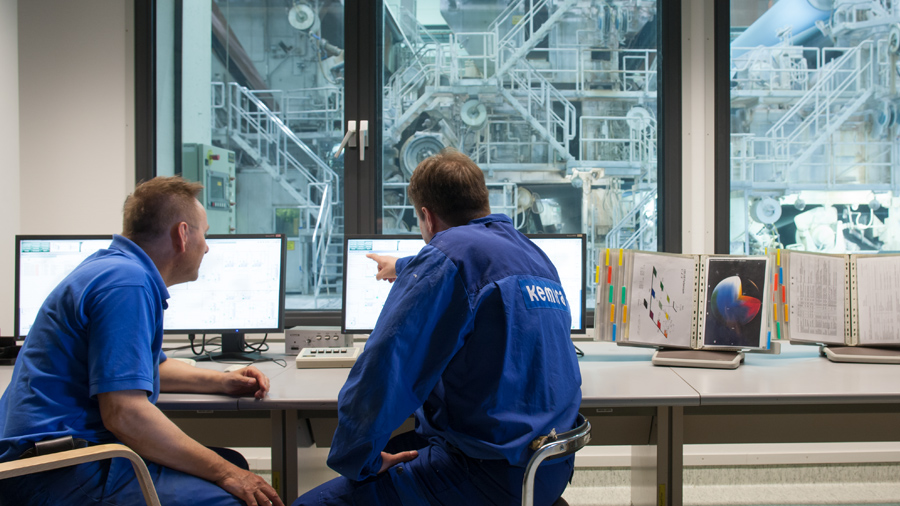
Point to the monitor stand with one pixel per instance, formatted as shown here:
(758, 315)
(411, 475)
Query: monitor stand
(861, 354)
(697, 358)
(233, 346)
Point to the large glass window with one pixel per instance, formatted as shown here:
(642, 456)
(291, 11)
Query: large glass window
(556, 100)
(258, 94)
(814, 125)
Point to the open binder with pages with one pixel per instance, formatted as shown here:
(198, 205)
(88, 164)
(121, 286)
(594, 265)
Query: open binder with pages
(848, 303)
(700, 310)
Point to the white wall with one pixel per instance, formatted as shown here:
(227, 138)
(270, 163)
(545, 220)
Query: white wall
(75, 121)
(9, 146)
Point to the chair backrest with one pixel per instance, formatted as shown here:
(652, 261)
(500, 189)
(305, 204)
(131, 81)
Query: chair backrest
(565, 444)
(80, 456)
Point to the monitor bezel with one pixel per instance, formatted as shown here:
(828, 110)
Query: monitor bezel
(281, 297)
(18, 266)
(347, 237)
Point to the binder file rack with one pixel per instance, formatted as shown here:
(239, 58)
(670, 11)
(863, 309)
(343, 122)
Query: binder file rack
(846, 303)
(699, 310)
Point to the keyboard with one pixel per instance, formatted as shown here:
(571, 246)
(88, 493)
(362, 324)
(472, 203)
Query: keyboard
(320, 358)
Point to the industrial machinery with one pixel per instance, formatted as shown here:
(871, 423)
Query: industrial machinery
(815, 163)
(555, 100)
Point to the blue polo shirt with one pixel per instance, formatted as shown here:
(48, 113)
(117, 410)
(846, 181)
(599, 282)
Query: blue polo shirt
(474, 338)
(100, 330)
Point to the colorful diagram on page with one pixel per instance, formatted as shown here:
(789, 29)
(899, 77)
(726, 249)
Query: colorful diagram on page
(659, 306)
(662, 295)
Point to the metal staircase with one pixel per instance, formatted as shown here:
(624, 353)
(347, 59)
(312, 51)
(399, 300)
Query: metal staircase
(261, 133)
(839, 92)
(515, 44)
(536, 99)
(416, 88)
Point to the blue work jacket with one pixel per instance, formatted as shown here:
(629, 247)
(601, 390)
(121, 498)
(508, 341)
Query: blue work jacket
(474, 339)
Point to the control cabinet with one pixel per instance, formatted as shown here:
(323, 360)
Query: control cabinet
(214, 168)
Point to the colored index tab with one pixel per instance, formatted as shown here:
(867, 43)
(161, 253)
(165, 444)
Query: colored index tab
(609, 275)
(614, 333)
(611, 289)
(781, 274)
(624, 314)
(612, 313)
(621, 251)
(783, 297)
(786, 313)
(623, 295)
(778, 256)
(775, 311)
(597, 275)
(777, 330)
(607, 256)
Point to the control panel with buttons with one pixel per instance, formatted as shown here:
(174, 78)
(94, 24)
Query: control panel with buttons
(300, 337)
(320, 358)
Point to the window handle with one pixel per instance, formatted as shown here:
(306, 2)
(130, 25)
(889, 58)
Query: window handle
(349, 138)
(364, 134)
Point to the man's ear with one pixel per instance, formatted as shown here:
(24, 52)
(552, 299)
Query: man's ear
(180, 237)
(428, 217)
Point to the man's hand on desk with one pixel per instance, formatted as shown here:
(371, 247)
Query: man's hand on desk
(176, 376)
(389, 460)
(246, 381)
(386, 266)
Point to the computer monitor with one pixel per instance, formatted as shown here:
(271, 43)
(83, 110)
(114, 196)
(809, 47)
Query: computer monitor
(568, 253)
(240, 290)
(364, 296)
(42, 261)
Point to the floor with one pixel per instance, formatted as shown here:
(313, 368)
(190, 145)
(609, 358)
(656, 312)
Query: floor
(841, 484)
(847, 484)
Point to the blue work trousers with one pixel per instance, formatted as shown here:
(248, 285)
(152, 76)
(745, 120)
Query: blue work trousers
(113, 482)
(442, 475)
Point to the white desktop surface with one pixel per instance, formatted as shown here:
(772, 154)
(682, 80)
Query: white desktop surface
(611, 375)
(622, 376)
(799, 375)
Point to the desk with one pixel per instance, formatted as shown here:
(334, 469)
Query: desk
(628, 401)
(796, 397)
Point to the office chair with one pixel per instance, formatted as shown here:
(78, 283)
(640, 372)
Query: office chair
(80, 456)
(565, 444)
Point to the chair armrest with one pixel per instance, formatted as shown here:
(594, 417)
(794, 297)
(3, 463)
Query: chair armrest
(80, 456)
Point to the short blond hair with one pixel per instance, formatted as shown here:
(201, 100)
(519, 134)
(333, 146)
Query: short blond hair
(156, 205)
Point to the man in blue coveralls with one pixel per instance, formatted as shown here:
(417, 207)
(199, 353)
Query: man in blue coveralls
(92, 368)
(474, 340)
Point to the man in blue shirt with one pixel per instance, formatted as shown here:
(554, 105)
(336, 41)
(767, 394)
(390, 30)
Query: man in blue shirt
(92, 368)
(474, 341)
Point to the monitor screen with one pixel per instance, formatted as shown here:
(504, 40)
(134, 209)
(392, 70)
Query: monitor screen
(364, 296)
(240, 288)
(41, 263)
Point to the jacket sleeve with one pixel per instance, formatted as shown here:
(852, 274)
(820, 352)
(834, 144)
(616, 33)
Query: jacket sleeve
(423, 323)
(402, 263)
